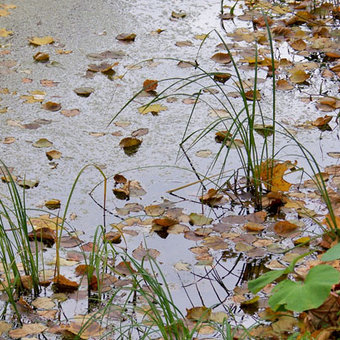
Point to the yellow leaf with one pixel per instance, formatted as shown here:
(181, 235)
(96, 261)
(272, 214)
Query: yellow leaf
(41, 41)
(153, 108)
(3, 13)
(4, 33)
(272, 175)
(299, 77)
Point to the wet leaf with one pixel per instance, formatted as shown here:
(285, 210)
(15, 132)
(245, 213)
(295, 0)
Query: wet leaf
(219, 113)
(140, 132)
(186, 64)
(53, 154)
(113, 237)
(38, 41)
(129, 142)
(222, 77)
(35, 97)
(84, 91)
(42, 143)
(201, 36)
(48, 83)
(43, 303)
(334, 154)
(199, 219)
(52, 204)
(127, 37)
(255, 227)
(264, 130)
(51, 106)
(63, 285)
(298, 45)
(183, 43)
(124, 268)
(212, 197)
(45, 235)
(141, 253)
(9, 140)
(41, 57)
(28, 184)
(203, 153)
(272, 175)
(150, 85)
(103, 67)
(250, 95)
(154, 210)
(283, 228)
(215, 242)
(85, 327)
(27, 329)
(153, 108)
(164, 222)
(199, 314)
(221, 58)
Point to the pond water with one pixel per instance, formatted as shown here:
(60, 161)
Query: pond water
(87, 27)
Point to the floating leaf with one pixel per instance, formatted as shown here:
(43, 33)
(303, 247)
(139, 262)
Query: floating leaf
(41, 57)
(127, 37)
(199, 219)
(283, 228)
(41, 41)
(4, 33)
(150, 85)
(250, 95)
(221, 58)
(222, 77)
(140, 132)
(63, 285)
(199, 314)
(27, 329)
(48, 83)
(203, 153)
(103, 67)
(186, 64)
(153, 108)
(183, 43)
(70, 113)
(9, 140)
(113, 237)
(51, 106)
(85, 327)
(45, 235)
(52, 204)
(182, 266)
(28, 184)
(84, 91)
(141, 253)
(264, 130)
(322, 121)
(42, 143)
(53, 154)
(255, 227)
(165, 222)
(212, 197)
(43, 303)
(272, 175)
(154, 210)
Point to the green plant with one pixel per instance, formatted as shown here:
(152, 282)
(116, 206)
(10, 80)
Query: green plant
(297, 296)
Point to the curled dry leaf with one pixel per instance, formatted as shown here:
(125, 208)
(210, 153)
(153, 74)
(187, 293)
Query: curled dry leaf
(41, 57)
(38, 41)
(150, 85)
(51, 106)
(322, 121)
(53, 154)
(84, 91)
(113, 237)
(221, 58)
(127, 37)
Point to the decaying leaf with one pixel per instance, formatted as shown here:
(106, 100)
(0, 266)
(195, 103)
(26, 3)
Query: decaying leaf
(28, 184)
(178, 15)
(130, 145)
(322, 121)
(212, 197)
(199, 219)
(27, 329)
(103, 67)
(153, 108)
(85, 327)
(141, 253)
(250, 95)
(70, 113)
(150, 85)
(284, 85)
(124, 268)
(265, 130)
(222, 77)
(4, 33)
(38, 41)
(299, 76)
(164, 222)
(199, 314)
(45, 235)
(113, 237)
(42, 143)
(52, 204)
(154, 210)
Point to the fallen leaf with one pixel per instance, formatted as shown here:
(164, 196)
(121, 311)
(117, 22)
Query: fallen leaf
(103, 67)
(150, 85)
(199, 314)
(127, 37)
(164, 222)
(298, 45)
(48, 83)
(271, 174)
(41, 40)
(45, 235)
(70, 113)
(186, 64)
(140, 132)
(183, 43)
(250, 95)
(84, 91)
(52, 204)
(203, 153)
(4, 33)
(284, 85)
(251, 226)
(283, 228)
(42, 143)
(212, 197)
(85, 327)
(41, 57)
(9, 140)
(53, 154)
(182, 266)
(199, 219)
(322, 121)
(51, 106)
(153, 108)
(27, 329)
(124, 268)
(28, 184)
(43, 303)
(63, 285)
(141, 253)
(178, 15)
(154, 210)
(222, 77)
(299, 76)
(221, 58)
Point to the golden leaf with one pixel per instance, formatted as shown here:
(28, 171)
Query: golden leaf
(41, 40)
(4, 33)
(271, 174)
(153, 108)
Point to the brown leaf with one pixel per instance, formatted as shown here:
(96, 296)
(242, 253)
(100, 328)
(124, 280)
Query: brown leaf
(83, 269)
(84, 91)
(129, 142)
(52, 204)
(298, 45)
(41, 57)
(283, 228)
(127, 37)
(150, 85)
(299, 76)
(141, 253)
(322, 121)
(284, 85)
(250, 95)
(251, 226)
(48, 83)
(103, 67)
(63, 285)
(85, 328)
(164, 222)
(51, 106)
(212, 197)
(27, 329)
(222, 77)
(221, 58)
(199, 314)
(53, 154)
(125, 268)
(271, 174)
(113, 237)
